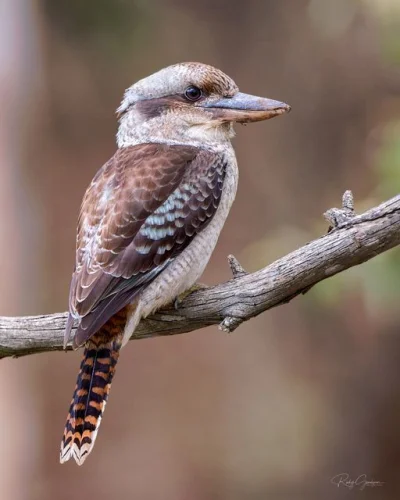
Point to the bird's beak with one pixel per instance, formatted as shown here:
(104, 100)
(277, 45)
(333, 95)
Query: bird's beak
(244, 108)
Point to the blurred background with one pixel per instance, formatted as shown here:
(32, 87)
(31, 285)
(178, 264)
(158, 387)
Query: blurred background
(292, 398)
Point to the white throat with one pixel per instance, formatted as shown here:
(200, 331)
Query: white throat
(169, 129)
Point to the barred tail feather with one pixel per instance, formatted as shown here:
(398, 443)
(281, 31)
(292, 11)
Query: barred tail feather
(90, 396)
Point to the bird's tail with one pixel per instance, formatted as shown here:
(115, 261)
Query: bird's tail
(90, 395)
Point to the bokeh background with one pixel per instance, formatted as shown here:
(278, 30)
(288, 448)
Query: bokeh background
(292, 398)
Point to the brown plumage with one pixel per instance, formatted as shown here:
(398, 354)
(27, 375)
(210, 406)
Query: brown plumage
(158, 198)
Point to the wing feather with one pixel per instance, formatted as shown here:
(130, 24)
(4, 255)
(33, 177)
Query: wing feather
(142, 209)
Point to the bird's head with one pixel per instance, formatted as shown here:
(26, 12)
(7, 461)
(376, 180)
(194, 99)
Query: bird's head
(189, 103)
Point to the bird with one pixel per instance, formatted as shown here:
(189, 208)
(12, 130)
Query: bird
(150, 219)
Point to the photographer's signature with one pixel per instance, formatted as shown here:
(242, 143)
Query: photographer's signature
(361, 482)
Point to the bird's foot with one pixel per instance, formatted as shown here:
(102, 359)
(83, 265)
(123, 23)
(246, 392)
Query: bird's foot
(194, 288)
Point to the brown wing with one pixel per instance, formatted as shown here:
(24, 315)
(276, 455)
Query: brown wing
(141, 210)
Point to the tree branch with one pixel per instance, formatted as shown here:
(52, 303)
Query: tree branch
(351, 240)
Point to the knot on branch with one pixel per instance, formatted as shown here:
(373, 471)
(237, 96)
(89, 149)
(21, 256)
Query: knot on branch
(339, 216)
(237, 270)
(230, 323)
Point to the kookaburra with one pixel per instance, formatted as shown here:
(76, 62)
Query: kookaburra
(150, 220)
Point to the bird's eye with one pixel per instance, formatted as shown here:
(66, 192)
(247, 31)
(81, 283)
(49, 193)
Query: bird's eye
(193, 93)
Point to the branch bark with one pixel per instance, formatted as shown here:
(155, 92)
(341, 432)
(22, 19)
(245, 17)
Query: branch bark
(351, 240)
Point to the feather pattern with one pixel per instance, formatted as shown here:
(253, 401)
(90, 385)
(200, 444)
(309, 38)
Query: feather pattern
(91, 391)
(142, 209)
